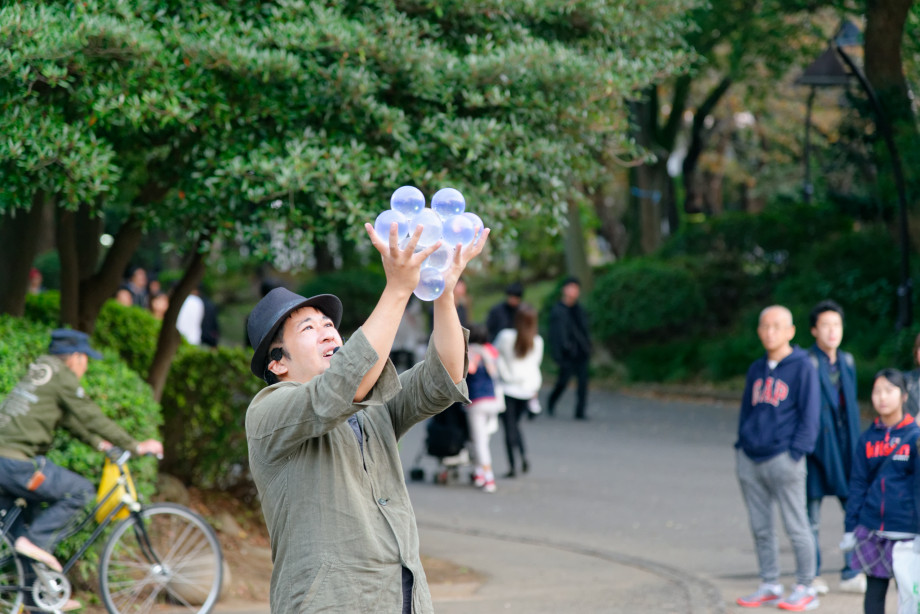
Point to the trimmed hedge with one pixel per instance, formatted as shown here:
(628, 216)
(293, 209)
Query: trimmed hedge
(131, 331)
(204, 407)
(644, 300)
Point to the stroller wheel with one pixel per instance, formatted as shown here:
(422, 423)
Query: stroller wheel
(417, 474)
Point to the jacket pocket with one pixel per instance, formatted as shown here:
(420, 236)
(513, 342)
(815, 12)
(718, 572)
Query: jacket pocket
(333, 590)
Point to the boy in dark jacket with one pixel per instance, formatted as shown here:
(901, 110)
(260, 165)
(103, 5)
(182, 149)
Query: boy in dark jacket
(778, 426)
(838, 428)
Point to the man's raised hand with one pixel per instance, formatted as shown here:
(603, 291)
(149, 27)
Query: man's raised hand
(462, 256)
(401, 265)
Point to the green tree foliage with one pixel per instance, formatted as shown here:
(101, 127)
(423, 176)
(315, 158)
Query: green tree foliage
(281, 124)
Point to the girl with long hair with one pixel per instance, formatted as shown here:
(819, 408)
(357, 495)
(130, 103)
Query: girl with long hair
(520, 352)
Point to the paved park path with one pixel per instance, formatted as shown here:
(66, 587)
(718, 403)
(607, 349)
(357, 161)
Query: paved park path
(636, 510)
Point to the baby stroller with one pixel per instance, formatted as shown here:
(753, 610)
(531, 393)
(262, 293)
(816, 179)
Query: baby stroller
(446, 437)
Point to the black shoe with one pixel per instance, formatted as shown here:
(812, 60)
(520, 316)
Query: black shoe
(525, 466)
(510, 474)
(582, 417)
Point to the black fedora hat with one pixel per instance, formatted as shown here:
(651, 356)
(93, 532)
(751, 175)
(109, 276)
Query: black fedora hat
(269, 314)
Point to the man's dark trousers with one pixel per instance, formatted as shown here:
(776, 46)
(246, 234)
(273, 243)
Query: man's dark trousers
(568, 368)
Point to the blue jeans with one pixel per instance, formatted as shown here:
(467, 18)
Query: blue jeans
(814, 519)
(65, 493)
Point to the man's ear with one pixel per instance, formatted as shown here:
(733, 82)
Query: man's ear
(277, 368)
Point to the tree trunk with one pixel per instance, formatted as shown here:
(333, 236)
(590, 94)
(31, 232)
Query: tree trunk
(168, 341)
(693, 185)
(610, 207)
(102, 285)
(652, 190)
(652, 186)
(84, 289)
(884, 35)
(69, 259)
(576, 256)
(19, 236)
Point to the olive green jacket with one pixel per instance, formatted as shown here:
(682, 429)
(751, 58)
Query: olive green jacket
(48, 397)
(342, 527)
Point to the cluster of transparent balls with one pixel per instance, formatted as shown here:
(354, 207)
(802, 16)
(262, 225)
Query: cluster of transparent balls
(447, 221)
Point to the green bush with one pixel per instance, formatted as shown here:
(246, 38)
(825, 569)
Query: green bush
(764, 239)
(359, 291)
(857, 269)
(644, 300)
(668, 361)
(204, 406)
(118, 391)
(130, 331)
(44, 307)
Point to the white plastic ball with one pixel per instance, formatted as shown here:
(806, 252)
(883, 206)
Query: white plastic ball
(441, 258)
(431, 224)
(385, 219)
(458, 229)
(430, 284)
(447, 202)
(408, 200)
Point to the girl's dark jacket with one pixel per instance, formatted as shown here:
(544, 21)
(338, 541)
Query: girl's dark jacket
(885, 494)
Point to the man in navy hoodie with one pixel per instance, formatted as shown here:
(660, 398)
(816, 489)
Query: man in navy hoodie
(777, 428)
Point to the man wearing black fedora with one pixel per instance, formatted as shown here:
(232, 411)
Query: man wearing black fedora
(323, 438)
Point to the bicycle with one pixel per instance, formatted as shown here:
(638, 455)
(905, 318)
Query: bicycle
(162, 556)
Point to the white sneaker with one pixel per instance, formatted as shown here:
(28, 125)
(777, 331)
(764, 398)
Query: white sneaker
(856, 584)
(766, 594)
(801, 599)
(820, 586)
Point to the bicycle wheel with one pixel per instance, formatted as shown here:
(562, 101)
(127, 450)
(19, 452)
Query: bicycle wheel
(182, 574)
(11, 578)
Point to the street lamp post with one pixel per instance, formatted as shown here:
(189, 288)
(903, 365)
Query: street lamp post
(828, 71)
(905, 306)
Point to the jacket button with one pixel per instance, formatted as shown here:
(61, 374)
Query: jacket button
(383, 501)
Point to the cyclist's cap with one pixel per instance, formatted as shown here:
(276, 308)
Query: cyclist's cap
(67, 341)
(269, 314)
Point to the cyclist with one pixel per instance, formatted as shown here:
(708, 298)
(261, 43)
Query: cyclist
(47, 397)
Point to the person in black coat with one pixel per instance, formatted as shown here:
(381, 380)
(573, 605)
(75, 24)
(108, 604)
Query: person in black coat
(501, 316)
(570, 346)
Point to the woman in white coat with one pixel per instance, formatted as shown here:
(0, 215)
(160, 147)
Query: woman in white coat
(520, 352)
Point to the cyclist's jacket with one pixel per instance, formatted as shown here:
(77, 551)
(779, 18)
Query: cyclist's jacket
(885, 485)
(338, 513)
(48, 397)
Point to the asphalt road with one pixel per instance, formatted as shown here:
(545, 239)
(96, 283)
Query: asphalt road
(636, 510)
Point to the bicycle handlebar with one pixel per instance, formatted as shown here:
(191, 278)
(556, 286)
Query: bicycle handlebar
(120, 456)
